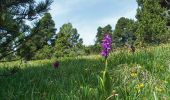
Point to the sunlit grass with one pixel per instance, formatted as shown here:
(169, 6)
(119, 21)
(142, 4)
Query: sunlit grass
(143, 75)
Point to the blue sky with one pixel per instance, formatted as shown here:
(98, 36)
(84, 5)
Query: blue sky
(88, 15)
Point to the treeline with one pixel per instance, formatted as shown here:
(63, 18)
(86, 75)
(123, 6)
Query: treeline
(18, 40)
(151, 27)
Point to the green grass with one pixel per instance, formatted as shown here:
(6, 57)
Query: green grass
(144, 75)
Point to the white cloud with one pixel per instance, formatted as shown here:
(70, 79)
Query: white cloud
(58, 9)
(64, 7)
(130, 14)
(112, 20)
(87, 29)
(109, 20)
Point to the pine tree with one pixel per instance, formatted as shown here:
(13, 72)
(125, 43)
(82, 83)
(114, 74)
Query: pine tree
(166, 5)
(101, 31)
(42, 33)
(151, 23)
(124, 32)
(67, 40)
(13, 14)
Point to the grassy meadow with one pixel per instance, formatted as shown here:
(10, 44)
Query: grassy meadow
(144, 75)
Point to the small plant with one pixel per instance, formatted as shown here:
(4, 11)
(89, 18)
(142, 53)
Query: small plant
(56, 64)
(106, 49)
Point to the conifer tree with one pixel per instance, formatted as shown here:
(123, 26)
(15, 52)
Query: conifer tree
(151, 23)
(42, 33)
(67, 40)
(13, 14)
(124, 32)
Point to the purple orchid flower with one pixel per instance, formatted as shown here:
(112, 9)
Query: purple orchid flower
(56, 64)
(106, 45)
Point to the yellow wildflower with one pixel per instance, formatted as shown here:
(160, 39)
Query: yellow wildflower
(159, 89)
(133, 74)
(139, 87)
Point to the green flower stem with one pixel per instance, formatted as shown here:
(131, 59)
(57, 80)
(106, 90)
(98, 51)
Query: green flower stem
(105, 70)
(105, 64)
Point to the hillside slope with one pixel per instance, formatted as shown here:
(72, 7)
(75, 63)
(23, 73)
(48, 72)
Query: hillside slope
(144, 75)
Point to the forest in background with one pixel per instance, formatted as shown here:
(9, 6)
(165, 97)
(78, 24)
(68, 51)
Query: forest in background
(19, 40)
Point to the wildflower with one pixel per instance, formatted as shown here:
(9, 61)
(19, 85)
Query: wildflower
(106, 45)
(56, 64)
(133, 74)
(159, 88)
(138, 66)
(139, 87)
(114, 93)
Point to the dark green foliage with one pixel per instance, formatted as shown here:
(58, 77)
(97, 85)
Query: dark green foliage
(68, 41)
(92, 49)
(42, 33)
(166, 4)
(24, 9)
(45, 53)
(124, 32)
(151, 23)
(13, 14)
(101, 31)
(27, 50)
